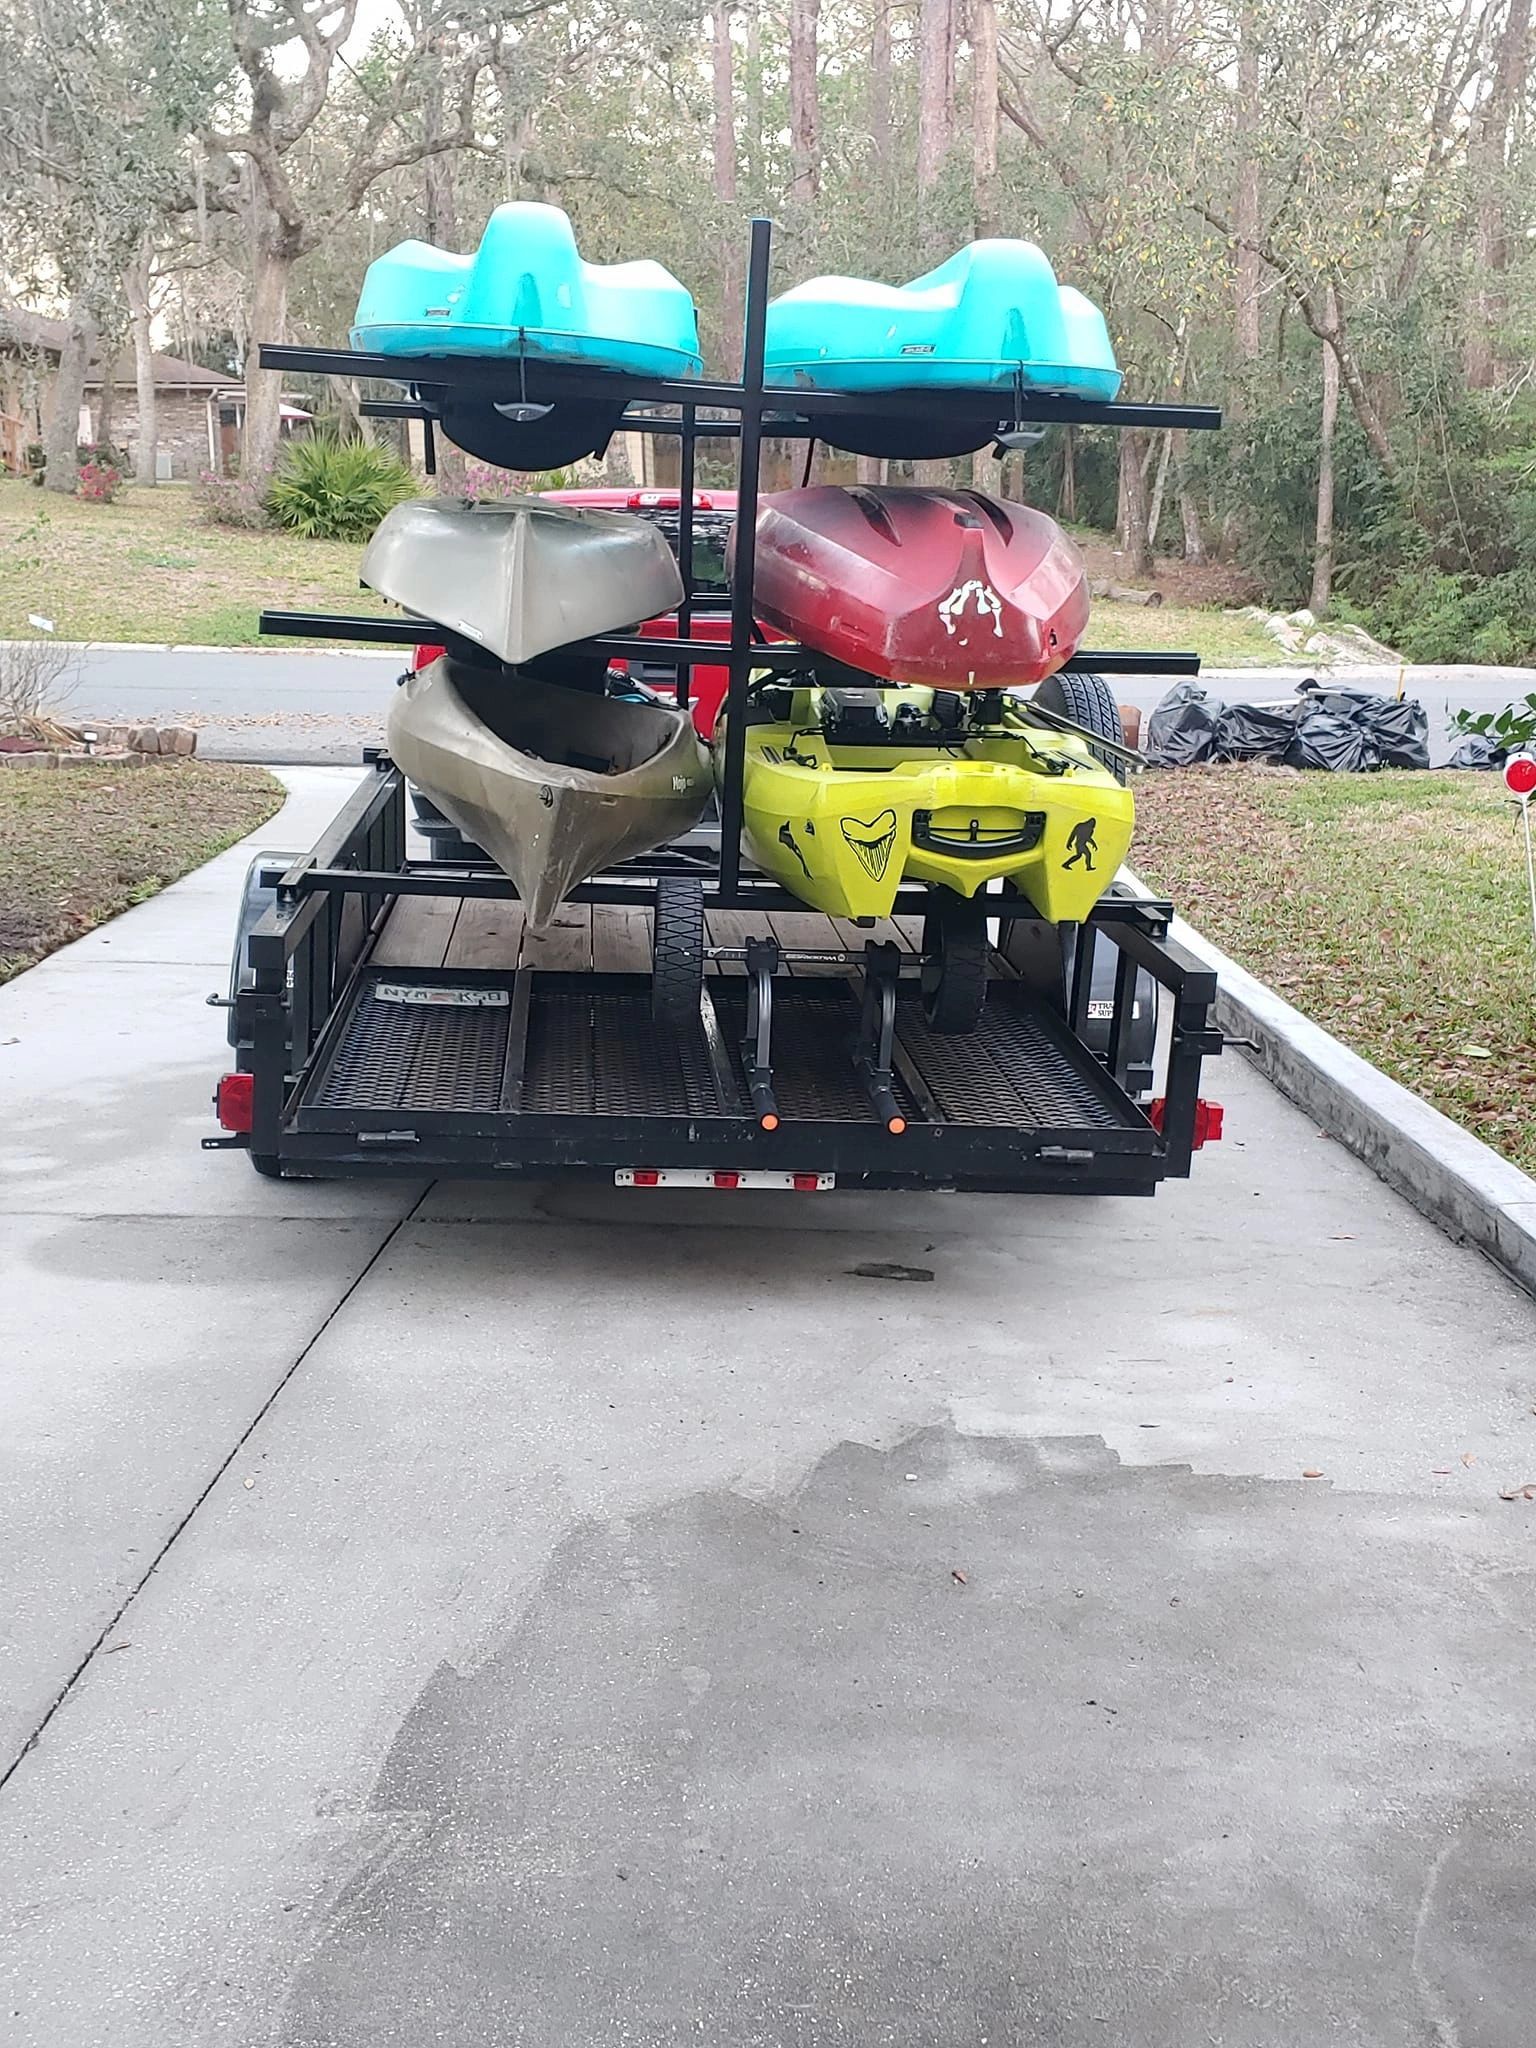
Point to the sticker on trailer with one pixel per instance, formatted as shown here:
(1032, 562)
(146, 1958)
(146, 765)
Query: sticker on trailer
(456, 998)
(1101, 1012)
(702, 1177)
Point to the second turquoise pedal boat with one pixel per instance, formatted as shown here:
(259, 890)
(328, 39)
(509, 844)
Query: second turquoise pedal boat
(527, 292)
(992, 317)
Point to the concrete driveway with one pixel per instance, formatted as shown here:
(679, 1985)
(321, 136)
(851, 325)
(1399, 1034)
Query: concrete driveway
(466, 1615)
(306, 704)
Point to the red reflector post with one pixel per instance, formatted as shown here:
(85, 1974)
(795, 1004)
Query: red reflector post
(235, 1102)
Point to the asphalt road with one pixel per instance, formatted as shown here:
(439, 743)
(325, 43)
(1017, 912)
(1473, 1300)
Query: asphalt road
(437, 1616)
(316, 705)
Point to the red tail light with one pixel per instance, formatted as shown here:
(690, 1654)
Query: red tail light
(234, 1102)
(1209, 1118)
(425, 656)
(646, 1177)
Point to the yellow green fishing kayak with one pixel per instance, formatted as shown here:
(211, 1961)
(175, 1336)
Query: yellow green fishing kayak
(841, 810)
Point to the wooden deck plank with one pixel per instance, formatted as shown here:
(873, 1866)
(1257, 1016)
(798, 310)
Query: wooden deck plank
(565, 944)
(621, 939)
(418, 932)
(733, 928)
(808, 929)
(487, 934)
(884, 931)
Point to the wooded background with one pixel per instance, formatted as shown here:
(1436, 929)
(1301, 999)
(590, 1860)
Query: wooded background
(1315, 213)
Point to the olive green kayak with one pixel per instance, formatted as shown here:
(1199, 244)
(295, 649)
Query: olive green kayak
(555, 784)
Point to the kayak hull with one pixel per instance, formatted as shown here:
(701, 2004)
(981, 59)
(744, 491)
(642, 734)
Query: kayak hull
(522, 576)
(556, 784)
(527, 293)
(950, 589)
(842, 827)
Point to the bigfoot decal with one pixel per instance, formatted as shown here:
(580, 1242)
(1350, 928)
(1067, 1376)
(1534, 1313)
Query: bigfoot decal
(1083, 843)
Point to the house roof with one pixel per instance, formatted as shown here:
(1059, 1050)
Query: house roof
(20, 329)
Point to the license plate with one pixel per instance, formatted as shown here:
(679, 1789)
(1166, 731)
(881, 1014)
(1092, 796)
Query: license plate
(702, 1177)
(456, 998)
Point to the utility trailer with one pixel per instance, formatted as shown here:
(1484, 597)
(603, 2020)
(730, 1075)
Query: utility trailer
(685, 1020)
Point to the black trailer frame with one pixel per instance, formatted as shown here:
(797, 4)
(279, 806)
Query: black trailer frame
(356, 1068)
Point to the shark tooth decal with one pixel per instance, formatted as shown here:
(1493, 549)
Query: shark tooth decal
(872, 840)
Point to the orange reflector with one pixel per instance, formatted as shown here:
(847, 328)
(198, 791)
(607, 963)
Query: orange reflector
(769, 1122)
(234, 1102)
(896, 1126)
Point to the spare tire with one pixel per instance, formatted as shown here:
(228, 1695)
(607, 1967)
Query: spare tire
(1089, 702)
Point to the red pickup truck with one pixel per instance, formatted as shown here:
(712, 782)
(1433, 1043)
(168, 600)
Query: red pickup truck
(714, 513)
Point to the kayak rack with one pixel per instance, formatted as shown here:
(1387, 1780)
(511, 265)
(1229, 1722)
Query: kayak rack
(755, 410)
(362, 1049)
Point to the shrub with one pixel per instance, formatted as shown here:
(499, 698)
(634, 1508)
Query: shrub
(231, 501)
(98, 482)
(337, 490)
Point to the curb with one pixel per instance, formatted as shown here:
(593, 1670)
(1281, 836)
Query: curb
(1454, 1179)
(307, 647)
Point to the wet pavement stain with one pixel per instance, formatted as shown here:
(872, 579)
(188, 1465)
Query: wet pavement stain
(972, 1741)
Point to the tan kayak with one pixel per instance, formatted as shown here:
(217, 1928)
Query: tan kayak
(555, 784)
(523, 576)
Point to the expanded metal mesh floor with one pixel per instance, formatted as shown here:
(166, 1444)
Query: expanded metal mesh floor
(593, 1050)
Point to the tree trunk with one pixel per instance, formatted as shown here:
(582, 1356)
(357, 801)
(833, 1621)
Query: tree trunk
(1322, 551)
(804, 109)
(872, 469)
(935, 89)
(880, 85)
(986, 473)
(105, 426)
(755, 96)
(1189, 511)
(984, 207)
(61, 435)
(1159, 486)
(1137, 559)
(439, 198)
(1487, 172)
(264, 388)
(1247, 262)
(732, 290)
(1068, 499)
(147, 446)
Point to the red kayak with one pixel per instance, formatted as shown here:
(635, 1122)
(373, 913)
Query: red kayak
(949, 589)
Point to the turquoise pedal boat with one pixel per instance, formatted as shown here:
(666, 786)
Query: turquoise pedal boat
(527, 293)
(993, 317)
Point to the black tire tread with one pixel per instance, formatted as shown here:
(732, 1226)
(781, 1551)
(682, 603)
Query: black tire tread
(677, 955)
(1089, 702)
(954, 966)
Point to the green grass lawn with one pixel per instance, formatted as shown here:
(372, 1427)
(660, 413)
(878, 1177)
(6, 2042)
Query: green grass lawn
(146, 568)
(79, 844)
(1391, 908)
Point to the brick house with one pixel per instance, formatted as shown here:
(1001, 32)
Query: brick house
(198, 411)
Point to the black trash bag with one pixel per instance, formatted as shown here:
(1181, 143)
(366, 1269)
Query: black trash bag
(1256, 732)
(1182, 730)
(1478, 751)
(1327, 739)
(1399, 727)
